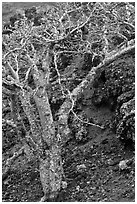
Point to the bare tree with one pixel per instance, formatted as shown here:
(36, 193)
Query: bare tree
(34, 48)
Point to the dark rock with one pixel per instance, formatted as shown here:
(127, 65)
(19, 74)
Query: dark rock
(30, 13)
(126, 124)
(114, 87)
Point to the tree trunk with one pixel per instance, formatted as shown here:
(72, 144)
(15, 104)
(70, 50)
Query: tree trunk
(47, 141)
(45, 137)
(51, 170)
(46, 144)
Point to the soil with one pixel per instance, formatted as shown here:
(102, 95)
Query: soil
(91, 169)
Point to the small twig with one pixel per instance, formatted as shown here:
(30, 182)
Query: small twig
(129, 24)
(15, 49)
(11, 82)
(13, 73)
(69, 33)
(106, 47)
(17, 64)
(33, 65)
(85, 122)
(65, 80)
(27, 74)
(83, 24)
(59, 77)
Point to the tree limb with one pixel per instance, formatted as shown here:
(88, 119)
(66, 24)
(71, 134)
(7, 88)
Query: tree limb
(13, 73)
(64, 110)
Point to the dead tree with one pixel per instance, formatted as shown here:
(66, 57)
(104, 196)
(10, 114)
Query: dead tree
(47, 136)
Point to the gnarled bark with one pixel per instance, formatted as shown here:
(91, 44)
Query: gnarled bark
(51, 170)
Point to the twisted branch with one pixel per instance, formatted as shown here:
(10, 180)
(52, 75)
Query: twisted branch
(64, 110)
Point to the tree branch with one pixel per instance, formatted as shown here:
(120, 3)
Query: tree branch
(13, 73)
(69, 33)
(75, 115)
(15, 49)
(64, 110)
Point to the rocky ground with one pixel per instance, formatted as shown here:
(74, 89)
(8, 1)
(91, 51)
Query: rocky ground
(92, 157)
(9, 8)
(91, 169)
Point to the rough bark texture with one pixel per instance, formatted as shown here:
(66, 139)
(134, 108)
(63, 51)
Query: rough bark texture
(50, 162)
(47, 123)
(51, 165)
(28, 109)
(51, 172)
(34, 39)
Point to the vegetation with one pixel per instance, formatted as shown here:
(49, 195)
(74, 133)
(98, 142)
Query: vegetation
(50, 57)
